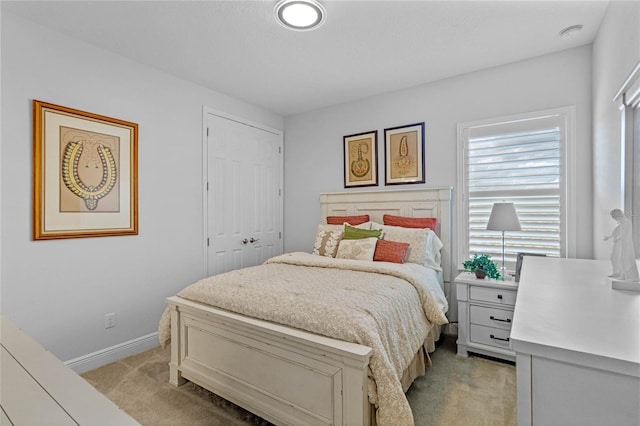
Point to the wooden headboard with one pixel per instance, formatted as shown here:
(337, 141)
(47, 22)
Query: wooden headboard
(426, 202)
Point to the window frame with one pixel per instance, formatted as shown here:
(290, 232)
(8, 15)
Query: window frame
(567, 115)
(628, 98)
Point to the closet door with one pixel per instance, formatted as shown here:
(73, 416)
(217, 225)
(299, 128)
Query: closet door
(244, 197)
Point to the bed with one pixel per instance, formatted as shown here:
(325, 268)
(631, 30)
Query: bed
(320, 363)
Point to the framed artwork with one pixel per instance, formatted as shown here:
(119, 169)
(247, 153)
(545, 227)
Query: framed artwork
(85, 174)
(361, 159)
(404, 154)
(519, 260)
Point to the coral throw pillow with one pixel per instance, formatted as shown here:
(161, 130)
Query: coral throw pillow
(411, 222)
(351, 220)
(390, 251)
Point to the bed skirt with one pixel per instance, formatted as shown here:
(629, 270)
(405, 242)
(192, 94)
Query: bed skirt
(421, 360)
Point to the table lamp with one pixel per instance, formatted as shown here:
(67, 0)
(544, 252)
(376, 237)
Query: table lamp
(503, 218)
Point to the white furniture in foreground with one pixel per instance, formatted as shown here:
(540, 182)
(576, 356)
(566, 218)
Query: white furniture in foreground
(485, 315)
(284, 375)
(37, 389)
(577, 344)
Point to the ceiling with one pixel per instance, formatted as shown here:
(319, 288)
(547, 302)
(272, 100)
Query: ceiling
(365, 47)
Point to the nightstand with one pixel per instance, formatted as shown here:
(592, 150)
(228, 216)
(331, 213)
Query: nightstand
(485, 315)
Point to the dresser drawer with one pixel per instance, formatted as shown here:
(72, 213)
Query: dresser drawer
(492, 295)
(490, 336)
(490, 317)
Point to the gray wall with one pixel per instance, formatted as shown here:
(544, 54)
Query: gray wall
(616, 51)
(59, 291)
(313, 141)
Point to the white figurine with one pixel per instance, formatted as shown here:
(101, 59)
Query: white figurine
(623, 257)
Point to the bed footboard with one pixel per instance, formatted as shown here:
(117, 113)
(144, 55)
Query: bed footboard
(287, 376)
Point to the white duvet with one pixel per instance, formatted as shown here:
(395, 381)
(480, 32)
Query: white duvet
(386, 306)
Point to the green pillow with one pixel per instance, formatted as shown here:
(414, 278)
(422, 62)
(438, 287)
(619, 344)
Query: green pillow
(352, 233)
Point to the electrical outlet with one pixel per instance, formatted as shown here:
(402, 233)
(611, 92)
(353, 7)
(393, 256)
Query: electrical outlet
(110, 320)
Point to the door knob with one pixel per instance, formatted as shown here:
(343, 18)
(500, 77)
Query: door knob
(245, 241)
(254, 240)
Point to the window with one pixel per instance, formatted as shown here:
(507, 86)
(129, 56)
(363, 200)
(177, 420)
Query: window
(524, 160)
(628, 98)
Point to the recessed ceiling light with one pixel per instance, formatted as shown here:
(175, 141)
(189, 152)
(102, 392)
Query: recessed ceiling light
(300, 15)
(570, 31)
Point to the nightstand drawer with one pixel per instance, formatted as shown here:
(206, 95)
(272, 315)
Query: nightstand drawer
(492, 295)
(490, 336)
(490, 317)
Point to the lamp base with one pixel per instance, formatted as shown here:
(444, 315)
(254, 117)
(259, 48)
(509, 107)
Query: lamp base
(506, 274)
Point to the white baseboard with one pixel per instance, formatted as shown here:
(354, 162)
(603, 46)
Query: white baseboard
(102, 357)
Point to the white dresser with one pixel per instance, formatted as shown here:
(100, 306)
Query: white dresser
(577, 345)
(37, 389)
(485, 315)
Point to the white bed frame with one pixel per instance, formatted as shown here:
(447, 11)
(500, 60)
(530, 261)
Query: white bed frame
(284, 375)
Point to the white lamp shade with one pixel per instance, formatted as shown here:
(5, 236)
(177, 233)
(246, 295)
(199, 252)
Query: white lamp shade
(503, 218)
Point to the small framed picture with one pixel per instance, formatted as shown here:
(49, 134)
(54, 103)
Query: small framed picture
(361, 159)
(85, 174)
(519, 260)
(404, 154)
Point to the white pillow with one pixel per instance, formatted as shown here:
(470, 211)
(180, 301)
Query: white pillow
(362, 249)
(328, 237)
(424, 244)
(325, 227)
(434, 245)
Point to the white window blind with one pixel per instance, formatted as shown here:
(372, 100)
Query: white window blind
(520, 161)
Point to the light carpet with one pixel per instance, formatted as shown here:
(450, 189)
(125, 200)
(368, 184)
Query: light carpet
(455, 391)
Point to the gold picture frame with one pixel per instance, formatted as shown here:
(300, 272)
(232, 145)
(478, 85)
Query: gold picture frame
(404, 154)
(85, 174)
(361, 159)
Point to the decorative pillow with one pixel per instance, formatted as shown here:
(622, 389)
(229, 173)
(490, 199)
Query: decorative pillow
(362, 249)
(327, 242)
(351, 220)
(390, 251)
(410, 222)
(353, 233)
(324, 227)
(416, 238)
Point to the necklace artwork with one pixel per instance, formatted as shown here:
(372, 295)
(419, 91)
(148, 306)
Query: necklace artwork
(90, 194)
(403, 162)
(361, 166)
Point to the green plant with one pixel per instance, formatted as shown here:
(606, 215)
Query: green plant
(484, 262)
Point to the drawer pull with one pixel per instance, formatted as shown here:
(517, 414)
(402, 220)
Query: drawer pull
(499, 297)
(499, 319)
(498, 338)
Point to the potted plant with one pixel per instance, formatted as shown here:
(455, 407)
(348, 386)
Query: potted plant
(482, 265)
